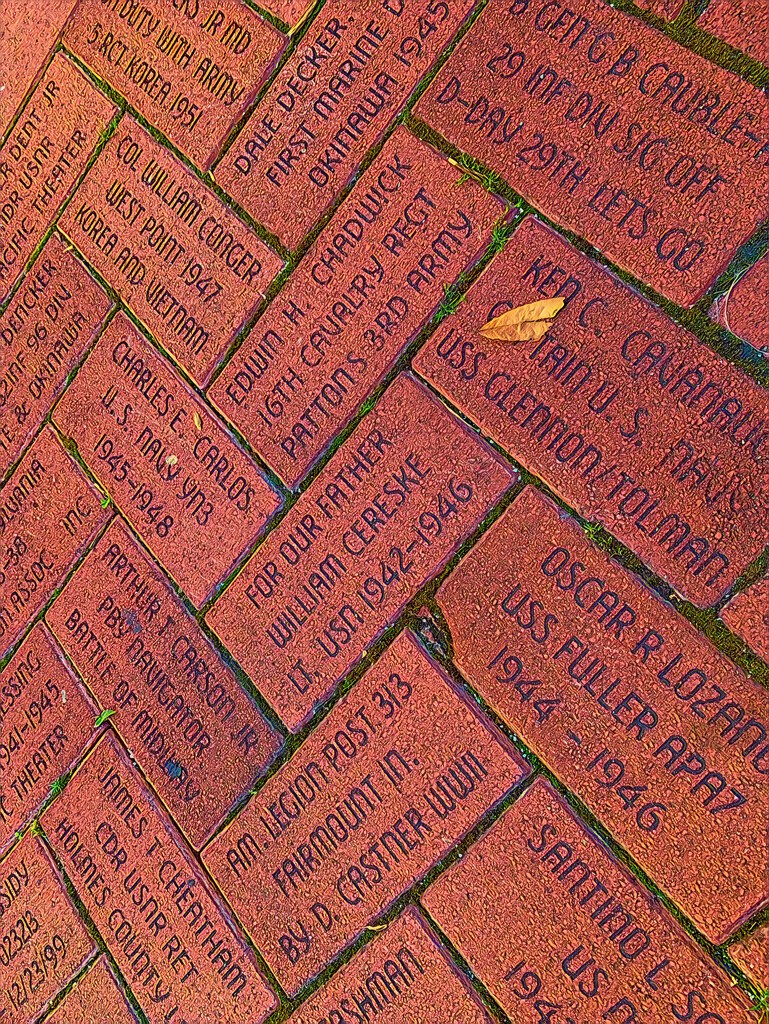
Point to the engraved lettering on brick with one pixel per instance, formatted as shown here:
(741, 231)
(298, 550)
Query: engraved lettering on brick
(49, 513)
(43, 942)
(197, 500)
(401, 769)
(53, 318)
(190, 68)
(575, 937)
(358, 297)
(29, 36)
(189, 269)
(46, 720)
(626, 415)
(644, 148)
(178, 706)
(663, 737)
(403, 974)
(42, 158)
(350, 76)
(149, 899)
(384, 515)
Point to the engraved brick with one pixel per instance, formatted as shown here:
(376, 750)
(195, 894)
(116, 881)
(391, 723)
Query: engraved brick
(29, 33)
(405, 973)
(187, 267)
(623, 413)
(192, 494)
(744, 25)
(661, 736)
(46, 720)
(315, 857)
(350, 76)
(42, 159)
(182, 712)
(614, 131)
(49, 513)
(751, 954)
(742, 308)
(385, 514)
(574, 936)
(50, 323)
(189, 68)
(176, 947)
(93, 996)
(747, 615)
(43, 942)
(359, 296)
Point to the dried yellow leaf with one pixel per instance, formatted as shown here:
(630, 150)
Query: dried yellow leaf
(198, 421)
(524, 323)
(532, 330)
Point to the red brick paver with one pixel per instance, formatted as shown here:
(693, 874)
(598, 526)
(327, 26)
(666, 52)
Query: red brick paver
(289, 11)
(372, 278)
(578, 938)
(652, 169)
(188, 68)
(351, 74)
(177, 704)
(46, 719)
(385, 514)
(747, 615)
(377, 795)
(49, 513)
(653, 728)
(43, 941)
(182, 262)
(402, 974)
(28, 34)
(47, 327)
(192, 494)
(627, 416)
(42, 159)
(742, 307)
(149, 899)
(752, 955)
(744, 25)
(93, 996)
(668, 10)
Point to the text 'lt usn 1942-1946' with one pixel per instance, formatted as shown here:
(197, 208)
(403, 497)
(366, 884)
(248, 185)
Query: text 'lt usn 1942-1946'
(389, 508)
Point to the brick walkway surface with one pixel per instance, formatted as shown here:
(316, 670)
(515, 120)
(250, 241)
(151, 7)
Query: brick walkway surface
(355, 667)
